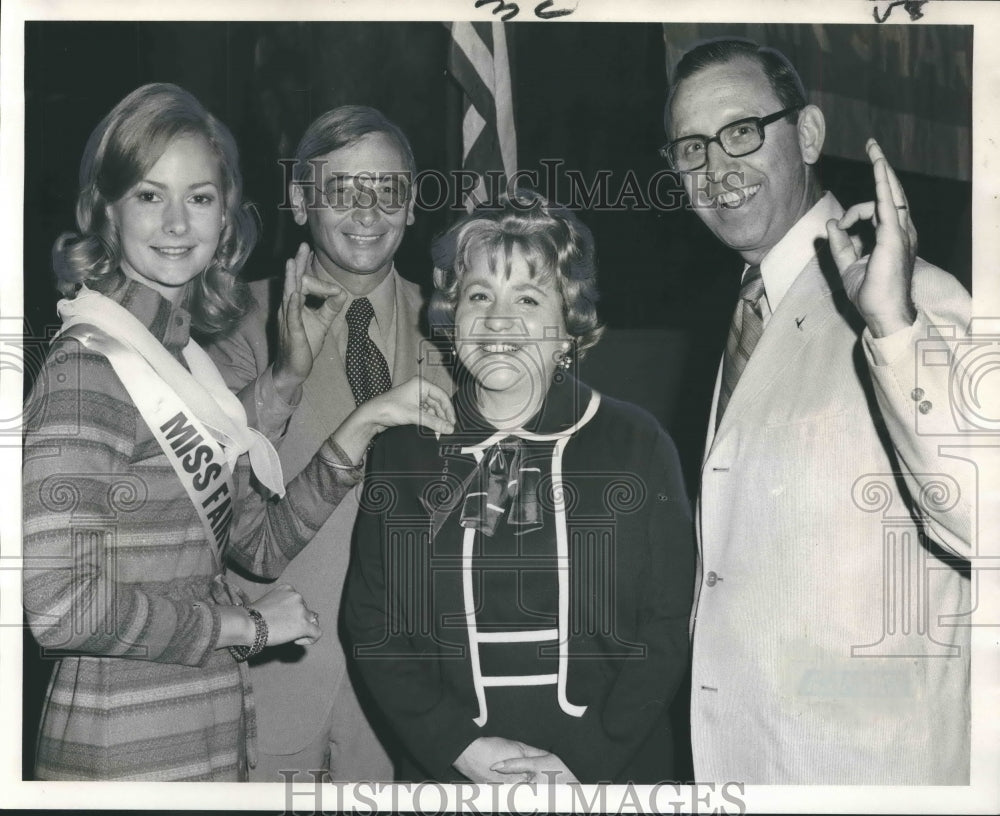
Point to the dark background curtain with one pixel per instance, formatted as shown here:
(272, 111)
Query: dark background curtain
(588, 100)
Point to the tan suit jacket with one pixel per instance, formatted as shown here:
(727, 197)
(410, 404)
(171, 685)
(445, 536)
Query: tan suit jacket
(294, 690)
(828, 641)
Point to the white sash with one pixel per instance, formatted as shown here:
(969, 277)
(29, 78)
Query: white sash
(199, 424)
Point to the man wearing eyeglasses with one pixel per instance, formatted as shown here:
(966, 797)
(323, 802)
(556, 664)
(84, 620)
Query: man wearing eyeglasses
(351, 188)
(828, 642)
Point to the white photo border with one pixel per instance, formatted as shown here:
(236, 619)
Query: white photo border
(983, 795)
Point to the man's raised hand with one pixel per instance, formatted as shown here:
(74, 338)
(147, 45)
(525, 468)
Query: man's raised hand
(301, 331)
(879, 286)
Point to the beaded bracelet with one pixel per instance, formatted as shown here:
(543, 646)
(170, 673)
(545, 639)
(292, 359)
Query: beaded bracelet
(242, 653)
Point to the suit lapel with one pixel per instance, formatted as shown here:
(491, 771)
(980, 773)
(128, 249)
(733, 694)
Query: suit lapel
(326, 402)
(326, 395)
(415, 354)
(327, 390)
(408, 338)
(805, 308)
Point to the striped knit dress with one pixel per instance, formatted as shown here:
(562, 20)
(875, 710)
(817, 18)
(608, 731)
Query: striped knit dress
(121, 583)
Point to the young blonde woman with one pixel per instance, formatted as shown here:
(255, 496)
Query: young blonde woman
(142, 475)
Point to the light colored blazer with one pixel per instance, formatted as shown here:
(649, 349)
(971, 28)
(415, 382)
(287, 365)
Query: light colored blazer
(293, 699)
(828, 642)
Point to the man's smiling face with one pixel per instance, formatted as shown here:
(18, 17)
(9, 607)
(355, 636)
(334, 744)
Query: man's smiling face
(355, 242)
(749, 202)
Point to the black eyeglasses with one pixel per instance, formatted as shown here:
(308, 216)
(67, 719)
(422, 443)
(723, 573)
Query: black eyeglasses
(390, 192)
(739, 138)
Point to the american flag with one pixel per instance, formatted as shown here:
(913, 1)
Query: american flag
(478, 63)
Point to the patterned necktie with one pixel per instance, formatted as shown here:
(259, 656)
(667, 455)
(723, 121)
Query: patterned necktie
(367, 370)
(744, 332)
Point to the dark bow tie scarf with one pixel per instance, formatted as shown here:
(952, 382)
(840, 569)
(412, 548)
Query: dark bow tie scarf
(744, 333)
(508, 484)
(367, 370)
(504, 483)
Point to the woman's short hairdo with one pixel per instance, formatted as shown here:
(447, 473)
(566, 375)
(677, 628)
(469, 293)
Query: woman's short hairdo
(341, 127)
(554, 242)
(120, 151)
(781, 74)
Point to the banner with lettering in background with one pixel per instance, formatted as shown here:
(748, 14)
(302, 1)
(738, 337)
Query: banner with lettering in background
(478, 62)
(909, 86)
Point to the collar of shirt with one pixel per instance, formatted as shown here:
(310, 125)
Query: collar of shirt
(169, 324)
(383, 301)
(782, 265)
(382, 329)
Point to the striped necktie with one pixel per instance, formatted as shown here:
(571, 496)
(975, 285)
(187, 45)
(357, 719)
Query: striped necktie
(367, 370)
(744, 332)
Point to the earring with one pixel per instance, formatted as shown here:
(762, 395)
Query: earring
(564, 359)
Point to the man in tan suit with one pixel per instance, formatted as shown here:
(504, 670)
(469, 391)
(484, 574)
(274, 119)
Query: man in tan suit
(352, 188)
(829, 644)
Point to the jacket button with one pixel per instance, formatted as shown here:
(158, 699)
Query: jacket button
(711, 579)
(917, 394)
(925, 406)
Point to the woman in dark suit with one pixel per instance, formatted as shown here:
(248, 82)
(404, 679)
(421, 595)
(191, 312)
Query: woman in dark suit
(519, 595)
